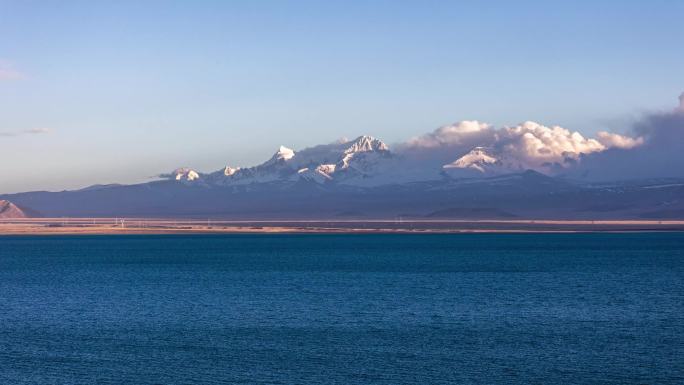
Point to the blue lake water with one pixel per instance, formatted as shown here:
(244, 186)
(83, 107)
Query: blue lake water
(346, 309)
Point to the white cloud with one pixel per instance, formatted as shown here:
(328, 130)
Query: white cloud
(454, 134)
(39, 130)
(610, 140)
(527, 145)
(30, 131)
(534, 144)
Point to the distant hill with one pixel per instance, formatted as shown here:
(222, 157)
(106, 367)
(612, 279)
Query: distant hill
(10, 210)
(526, 195)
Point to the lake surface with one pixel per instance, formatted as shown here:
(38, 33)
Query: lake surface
(346, 309)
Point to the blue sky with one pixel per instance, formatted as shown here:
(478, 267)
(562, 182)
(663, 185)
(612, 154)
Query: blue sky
(128, 90)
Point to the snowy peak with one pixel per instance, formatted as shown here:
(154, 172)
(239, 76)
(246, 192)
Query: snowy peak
(184, 174)
(282, 156)
(283, 153)
(228, 171)
(366, 143)
(479, 158)
(363, 154)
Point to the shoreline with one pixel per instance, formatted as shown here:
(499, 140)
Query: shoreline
(113, 226)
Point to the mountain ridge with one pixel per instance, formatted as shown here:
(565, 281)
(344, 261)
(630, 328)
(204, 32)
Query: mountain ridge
(526, 195)
(364, 178)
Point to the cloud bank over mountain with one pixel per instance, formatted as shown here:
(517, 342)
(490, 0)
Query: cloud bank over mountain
(653, 148)
(529, 145)
(659, 153)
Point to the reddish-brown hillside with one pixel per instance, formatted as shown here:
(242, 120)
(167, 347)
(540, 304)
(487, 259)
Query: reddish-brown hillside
(10, 210)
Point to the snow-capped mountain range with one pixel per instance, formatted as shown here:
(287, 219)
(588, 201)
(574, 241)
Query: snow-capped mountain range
(364, 161)
(350, 162)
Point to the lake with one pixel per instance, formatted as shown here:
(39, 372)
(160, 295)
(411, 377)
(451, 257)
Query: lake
(586, 308)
